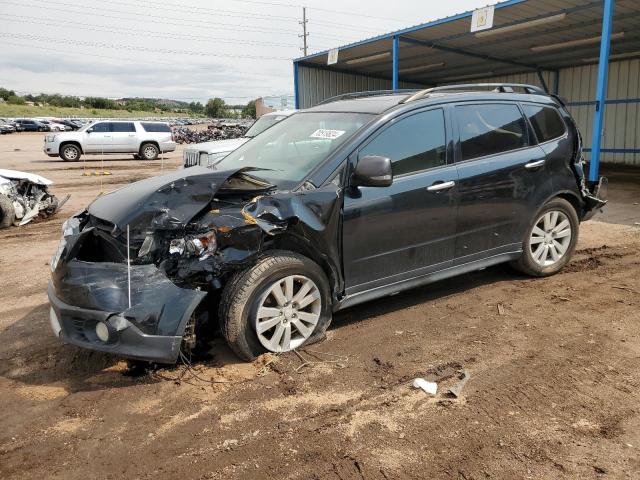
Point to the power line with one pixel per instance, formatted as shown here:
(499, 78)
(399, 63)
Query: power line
(123, 59)
(39, 38)
(198, 24)
(202, 10)
(328, 10)
(136, 32)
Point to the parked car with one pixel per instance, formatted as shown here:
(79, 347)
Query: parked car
(29, 125)
(70, 124)
(17, 127)
(6, 128)
(345, 202)
(53, 126)
(209, 153)
(144, 140)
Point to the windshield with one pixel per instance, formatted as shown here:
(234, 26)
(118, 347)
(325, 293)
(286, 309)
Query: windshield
(290, 149)
(262, 124)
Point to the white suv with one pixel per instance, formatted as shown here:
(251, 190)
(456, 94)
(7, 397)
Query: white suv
(144, 140)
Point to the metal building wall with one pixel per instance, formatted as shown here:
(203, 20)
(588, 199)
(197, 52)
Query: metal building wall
(317, 84)
(621, 136)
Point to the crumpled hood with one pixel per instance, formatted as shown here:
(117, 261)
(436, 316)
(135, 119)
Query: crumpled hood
(167, 201)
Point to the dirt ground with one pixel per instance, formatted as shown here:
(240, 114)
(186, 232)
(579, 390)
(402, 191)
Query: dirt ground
(553, 393)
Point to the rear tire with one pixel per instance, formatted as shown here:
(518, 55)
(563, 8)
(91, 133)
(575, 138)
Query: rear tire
(70, 152)
(248, 291)
(550, 240)
(7, 212)
(149, 151)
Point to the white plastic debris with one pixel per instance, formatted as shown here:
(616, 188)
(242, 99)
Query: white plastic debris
(429, 387)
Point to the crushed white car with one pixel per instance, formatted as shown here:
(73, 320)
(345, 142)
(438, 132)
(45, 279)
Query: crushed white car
(25, 196)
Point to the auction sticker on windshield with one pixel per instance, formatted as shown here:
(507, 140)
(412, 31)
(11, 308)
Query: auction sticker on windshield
(327, 134)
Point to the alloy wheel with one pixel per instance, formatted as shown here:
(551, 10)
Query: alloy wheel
(550, 238)
(70, 153)
(288, 313)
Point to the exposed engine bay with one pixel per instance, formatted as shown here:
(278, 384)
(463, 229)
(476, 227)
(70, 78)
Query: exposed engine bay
(25, 196)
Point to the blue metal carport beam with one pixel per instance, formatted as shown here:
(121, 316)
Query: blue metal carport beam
(482, 56)
(296, 88)
(601, 90)
(396, 62)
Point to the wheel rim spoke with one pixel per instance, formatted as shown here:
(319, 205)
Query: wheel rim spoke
(277, 335)
(309, 299)
(311, 318)
(278, 294)
(562, 248)
(267, 324)
(268, 312)
(304, 289)
(302, 328)
(536, 240)
(561, 226)
(564, 233)
(288, 288)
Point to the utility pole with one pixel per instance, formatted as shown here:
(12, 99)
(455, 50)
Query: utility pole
(304, 31)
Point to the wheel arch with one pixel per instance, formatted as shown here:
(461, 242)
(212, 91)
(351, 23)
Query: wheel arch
(72, 142)
(573, 199)
(293, 243)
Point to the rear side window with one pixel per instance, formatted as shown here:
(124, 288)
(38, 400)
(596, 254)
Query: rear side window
(489, 129)
(155, 127)
(413, 143)
(123, 127)
(546, 122)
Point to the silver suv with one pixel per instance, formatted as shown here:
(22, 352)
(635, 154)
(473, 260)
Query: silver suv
(145, 140)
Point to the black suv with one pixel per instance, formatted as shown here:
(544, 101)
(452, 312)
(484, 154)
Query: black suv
(355, 199)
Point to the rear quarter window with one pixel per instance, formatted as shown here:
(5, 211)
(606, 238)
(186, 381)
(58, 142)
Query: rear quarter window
(546, 122)
(156, 127)
(489, 129)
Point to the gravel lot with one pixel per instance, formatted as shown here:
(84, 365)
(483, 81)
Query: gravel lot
(554, 364)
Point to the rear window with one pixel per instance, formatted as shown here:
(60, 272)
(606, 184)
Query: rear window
(123, 127)
(156, 127)
(490, 129)
(546, 122)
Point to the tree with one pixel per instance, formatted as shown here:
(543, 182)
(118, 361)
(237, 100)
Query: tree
(249, 110)
(216, 108)
(196, 108)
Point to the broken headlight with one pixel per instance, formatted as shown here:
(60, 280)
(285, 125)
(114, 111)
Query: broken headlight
(202, 245)
(69, 227)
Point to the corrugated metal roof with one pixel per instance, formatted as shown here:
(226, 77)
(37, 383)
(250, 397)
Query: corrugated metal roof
(451, 52)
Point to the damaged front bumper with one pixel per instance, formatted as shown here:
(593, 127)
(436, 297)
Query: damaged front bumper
(91, 308)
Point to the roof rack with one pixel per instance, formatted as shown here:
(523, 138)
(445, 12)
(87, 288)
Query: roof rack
(497, 87)
(369, 93)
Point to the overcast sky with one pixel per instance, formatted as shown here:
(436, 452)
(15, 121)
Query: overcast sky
(188, 49)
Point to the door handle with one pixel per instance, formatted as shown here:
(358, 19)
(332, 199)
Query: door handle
(439, 186)
(535, 164)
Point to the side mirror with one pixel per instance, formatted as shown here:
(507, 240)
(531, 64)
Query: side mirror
(89, 130)
(372, 171)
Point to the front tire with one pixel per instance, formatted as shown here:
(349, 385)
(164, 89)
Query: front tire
(7, 212)
(550, 239)
(279, 304)
(70, 152)
(149, 151)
